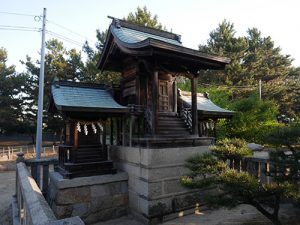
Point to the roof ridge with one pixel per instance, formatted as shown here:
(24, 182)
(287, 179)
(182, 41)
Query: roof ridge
(80, 84)
(123, 23)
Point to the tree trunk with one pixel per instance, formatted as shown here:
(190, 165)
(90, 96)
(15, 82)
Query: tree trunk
(274, 217)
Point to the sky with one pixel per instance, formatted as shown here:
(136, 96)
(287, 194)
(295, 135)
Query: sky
(78, 20)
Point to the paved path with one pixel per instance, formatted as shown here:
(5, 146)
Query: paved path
(243, 214)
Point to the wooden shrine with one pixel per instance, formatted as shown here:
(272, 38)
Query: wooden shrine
(150, 61)
(86, 109)
(146, 110)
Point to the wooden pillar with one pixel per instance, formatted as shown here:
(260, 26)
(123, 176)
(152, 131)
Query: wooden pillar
(75, 136)
(67, 138)
(130, 130)
(154, 101)
(175, 95)
(104, 134)
(104, 149)
(215, 130)
(111, 131)
(118, 136)
(194, 82)
(123, 130)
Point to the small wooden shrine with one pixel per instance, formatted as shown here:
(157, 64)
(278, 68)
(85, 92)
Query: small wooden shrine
(86, 109)
(146, 110)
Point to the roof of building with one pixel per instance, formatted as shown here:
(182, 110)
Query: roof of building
(205, 106)
(75, 96)
(133, 39)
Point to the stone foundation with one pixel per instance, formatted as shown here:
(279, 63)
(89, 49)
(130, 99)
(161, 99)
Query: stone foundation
(155, 193)
(93, 199)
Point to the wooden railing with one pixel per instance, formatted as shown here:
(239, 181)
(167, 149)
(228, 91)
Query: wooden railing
(29, 204)
(187, 116)
(258, 167)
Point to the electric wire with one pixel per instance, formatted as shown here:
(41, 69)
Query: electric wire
(69, 30)
(62, 37)
(17, 14)
(19, 27)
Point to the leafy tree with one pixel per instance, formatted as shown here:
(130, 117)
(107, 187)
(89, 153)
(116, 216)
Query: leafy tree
(253, 58)
(253, 120)
(11, 98)
(236, 187)
(143, 16)
(59, 63)
(90, 70)
(286, 157)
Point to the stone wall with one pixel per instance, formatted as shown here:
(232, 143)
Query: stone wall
(155, 193)
(93, 199)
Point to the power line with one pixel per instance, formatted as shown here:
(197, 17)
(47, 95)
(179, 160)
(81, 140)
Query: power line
(67, 29)
(65, 38)
(17, 14)
(19, 27)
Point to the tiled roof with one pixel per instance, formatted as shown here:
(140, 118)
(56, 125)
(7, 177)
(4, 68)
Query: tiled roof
(92, 98)
(205, 105)
(132, 36)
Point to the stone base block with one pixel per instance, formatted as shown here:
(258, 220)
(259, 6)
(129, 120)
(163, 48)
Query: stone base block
(93, 199)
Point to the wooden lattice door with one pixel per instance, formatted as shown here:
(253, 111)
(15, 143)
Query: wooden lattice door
(163, 100)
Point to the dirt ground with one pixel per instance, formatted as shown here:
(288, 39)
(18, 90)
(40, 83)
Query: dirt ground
(7, 189)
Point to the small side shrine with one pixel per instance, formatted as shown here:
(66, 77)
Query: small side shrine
(87, 110)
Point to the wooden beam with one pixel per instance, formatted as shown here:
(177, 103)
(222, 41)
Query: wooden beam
(194, 82)
(175, 95)
(75, 136)
(130, 130)
(111, 131)
(67, 141)
(154, 101)
(123, 130)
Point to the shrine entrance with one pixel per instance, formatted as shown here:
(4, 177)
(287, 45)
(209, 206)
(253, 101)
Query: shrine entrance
(163, 96)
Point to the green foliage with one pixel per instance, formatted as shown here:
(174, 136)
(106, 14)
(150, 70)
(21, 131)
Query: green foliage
(235, 187)
(287, 153)
(253, 58)
(143, 16)
(231, 148)
(253, 120)
(11, 96)
(284, 136)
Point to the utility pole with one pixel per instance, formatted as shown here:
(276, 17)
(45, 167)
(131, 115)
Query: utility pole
(39, 128)
(259, 89)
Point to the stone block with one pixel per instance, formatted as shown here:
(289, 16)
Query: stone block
(100, 190)
(62, 211)
(166, 172)
(173, 186)
(80, 209)
(73, 195)
(100, 203)
(160, 207)
(120, 200)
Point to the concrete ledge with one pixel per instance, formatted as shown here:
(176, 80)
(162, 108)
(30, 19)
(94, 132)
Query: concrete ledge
(35, 204)
(62, 183)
